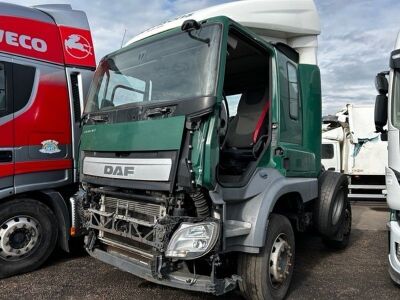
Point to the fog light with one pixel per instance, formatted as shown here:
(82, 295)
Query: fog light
(192, 241)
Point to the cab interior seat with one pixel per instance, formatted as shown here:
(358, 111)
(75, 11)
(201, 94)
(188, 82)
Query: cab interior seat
(247, 74)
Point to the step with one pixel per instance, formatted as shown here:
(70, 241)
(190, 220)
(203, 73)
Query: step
(367, 196)
(367, 186)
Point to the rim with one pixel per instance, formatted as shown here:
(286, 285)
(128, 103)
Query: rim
(280, 261)
(18, 237)
(338, 207)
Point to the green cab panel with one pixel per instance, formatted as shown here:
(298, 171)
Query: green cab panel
(148, 135)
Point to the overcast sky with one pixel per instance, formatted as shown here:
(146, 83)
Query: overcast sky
(357, 37)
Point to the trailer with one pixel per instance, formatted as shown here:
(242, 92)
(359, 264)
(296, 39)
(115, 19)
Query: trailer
(184, 191)
(46, 66)
(349, 141)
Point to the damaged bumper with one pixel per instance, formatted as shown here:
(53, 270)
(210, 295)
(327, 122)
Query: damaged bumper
(178, 279)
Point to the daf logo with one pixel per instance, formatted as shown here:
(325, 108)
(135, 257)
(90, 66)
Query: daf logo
(78, 46)
(119, 170)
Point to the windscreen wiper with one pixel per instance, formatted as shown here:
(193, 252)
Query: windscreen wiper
(156, 112)
(98, 118)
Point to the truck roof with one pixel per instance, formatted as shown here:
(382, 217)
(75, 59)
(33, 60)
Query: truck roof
(293, 22)
(54, 33)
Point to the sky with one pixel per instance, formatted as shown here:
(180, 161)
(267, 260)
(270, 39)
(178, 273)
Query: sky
(356, 40)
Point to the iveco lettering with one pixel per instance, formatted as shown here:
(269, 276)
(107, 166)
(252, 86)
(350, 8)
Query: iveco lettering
(24, 41)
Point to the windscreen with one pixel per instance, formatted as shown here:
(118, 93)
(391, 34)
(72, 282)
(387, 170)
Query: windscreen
(174, 67)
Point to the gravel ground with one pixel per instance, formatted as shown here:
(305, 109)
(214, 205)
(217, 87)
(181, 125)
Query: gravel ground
(359, 272)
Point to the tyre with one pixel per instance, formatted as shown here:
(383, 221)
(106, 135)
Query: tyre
(28, 235)
(341, 239)
(329, 210)
(268, 274)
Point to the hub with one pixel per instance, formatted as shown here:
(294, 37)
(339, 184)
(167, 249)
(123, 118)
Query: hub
(18, 236)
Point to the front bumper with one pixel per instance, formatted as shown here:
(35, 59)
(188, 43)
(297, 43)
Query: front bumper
(178, 279)
(394, 263)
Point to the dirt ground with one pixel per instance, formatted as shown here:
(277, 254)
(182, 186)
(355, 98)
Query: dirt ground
(359, 272)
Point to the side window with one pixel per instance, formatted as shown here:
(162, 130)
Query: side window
(327, 151)
(293, 91)
(23, 80)
(3, 104)
(233, 102)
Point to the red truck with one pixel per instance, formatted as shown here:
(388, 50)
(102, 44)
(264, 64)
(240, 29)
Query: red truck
(46, 65)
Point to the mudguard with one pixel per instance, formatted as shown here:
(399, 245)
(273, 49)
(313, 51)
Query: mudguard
(251, 206)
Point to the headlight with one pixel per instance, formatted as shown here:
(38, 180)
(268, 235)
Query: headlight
(191, 241)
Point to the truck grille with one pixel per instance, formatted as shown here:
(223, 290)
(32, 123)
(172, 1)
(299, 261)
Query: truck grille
(146, 212)
(130, 225)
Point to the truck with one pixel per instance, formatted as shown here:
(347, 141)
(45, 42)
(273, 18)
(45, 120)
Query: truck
(349, 141)
(200, 152)
(387, 122)
(46, 66)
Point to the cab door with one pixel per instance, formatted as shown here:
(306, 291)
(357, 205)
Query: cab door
(6, 130)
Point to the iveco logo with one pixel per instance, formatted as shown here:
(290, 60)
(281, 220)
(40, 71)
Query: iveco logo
(119, 170)
(22, 40)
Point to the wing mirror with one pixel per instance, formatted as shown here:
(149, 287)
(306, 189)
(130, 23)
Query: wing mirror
(381, 104)
(381, 83)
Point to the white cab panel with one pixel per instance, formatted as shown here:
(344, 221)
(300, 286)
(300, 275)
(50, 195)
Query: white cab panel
(149, 169)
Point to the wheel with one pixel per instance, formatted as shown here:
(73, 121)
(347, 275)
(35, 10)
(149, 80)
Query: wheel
(28, 235)
(341, 239)
(329, 210)
(268, 274)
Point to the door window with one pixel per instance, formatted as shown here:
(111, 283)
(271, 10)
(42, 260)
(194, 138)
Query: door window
(293, 92)
(327, 151)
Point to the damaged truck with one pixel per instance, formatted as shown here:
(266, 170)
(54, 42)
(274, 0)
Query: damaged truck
(200, 153)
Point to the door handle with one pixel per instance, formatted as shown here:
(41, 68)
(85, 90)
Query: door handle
(6, 156)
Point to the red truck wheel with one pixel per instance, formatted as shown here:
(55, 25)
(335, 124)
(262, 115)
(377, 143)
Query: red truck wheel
(28, 235)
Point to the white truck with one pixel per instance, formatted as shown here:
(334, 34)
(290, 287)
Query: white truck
(349, 142)
(387, 112)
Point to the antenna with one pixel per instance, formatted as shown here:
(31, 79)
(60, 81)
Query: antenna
(123, 38)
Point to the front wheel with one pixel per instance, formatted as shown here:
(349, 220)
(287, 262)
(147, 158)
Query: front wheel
(28, 235)
(268, 274)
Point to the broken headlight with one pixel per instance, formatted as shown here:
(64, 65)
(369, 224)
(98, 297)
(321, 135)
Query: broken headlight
(192, 241)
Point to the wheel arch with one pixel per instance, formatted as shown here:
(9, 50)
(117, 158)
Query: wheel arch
(281, 194)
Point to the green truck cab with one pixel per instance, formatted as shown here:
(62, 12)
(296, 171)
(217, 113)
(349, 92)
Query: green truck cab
(200, 157)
